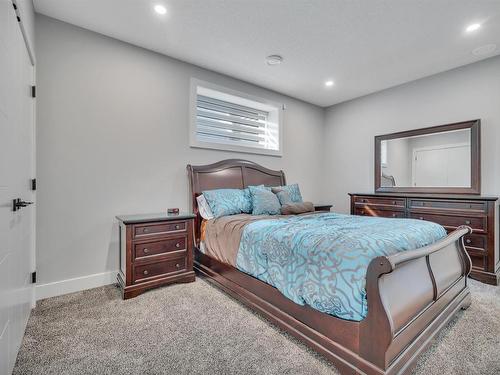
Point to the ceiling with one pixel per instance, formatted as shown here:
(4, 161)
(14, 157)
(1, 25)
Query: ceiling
(363, 45)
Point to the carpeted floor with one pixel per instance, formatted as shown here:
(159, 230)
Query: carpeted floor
(197, 329)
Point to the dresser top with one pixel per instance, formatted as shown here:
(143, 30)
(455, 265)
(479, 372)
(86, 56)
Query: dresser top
(435, 196)
(146, 218)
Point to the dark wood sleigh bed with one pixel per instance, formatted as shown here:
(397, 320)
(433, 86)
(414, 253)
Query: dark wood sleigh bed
(411, 295)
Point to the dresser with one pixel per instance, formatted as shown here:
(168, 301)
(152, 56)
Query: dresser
(478, 212)
(155, 250)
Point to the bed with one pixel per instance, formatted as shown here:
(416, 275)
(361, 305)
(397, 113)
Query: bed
(410, 295)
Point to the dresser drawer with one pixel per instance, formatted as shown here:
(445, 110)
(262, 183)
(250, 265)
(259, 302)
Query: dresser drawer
(478, 260)
(393, 202)
(151, 270)
(448, 205)
(476, 241)
(142, 250)
(379, 213)
(159, 229)
(478, 224)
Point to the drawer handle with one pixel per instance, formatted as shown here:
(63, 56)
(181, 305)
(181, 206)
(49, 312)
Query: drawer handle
(468, 240)
(145, 230)
(393, 215)
(177, 226)
(363, 200)
(146, 272)
(146, 250)
(394, 202)
(177, 245)
(177, 266)
(467, 222)
(421, 218)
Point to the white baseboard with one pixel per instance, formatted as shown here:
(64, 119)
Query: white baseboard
(77, 284)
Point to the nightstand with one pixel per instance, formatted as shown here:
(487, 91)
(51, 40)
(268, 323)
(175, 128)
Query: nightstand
(155, 250)
(323, 207)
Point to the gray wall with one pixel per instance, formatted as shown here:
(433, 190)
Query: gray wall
(112, 139)
(465, 93)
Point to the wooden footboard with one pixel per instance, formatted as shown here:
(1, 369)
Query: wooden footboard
(411, 295)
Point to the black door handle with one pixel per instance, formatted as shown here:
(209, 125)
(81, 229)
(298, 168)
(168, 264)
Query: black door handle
(17, 204)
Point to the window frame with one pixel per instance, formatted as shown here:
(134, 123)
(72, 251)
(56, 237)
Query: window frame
(274, 108)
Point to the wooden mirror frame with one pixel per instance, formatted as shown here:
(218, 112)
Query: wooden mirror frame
(475, 178)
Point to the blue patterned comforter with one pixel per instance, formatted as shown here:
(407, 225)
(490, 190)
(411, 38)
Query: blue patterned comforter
(321, 260)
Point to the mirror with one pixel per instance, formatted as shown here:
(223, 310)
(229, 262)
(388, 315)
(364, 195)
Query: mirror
(440, 159)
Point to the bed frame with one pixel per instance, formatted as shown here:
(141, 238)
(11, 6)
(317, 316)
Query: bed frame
(411, 295)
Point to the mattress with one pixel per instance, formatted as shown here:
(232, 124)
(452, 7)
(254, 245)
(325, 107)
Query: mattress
(319, 260)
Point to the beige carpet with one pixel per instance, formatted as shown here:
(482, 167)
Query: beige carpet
(197, 329)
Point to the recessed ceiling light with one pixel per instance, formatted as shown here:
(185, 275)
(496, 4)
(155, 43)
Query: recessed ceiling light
(329, 83)
(484, 50)
(473, 27)
(160, 9)
(274, 60)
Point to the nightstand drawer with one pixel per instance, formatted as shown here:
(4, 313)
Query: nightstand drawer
(159, 229)
(147, 249)
(148, 271)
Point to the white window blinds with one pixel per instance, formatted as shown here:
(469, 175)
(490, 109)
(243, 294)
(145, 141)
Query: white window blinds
(228, 122)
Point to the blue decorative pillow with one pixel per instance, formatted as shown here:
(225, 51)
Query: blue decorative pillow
(224, 202)
(260, 187)
(250, 194)
(284, 197)
(264, 201)
(293, 193)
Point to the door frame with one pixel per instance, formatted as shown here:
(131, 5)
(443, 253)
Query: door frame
(31, 54)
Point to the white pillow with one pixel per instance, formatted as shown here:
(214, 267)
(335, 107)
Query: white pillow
(204, 208)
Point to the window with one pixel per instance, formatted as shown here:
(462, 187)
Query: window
(224, 119)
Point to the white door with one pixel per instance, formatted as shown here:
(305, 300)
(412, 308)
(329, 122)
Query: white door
(437, 166)
(16, 172)
(430, 167)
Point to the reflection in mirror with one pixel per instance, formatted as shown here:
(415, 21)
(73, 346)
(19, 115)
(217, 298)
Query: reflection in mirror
(430, 160)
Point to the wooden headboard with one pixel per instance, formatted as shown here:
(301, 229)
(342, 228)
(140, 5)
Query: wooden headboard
(228, 174)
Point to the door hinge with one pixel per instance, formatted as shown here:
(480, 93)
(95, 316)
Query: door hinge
(17, 12)
(33, 184)
(33, 91)
(33, 277)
